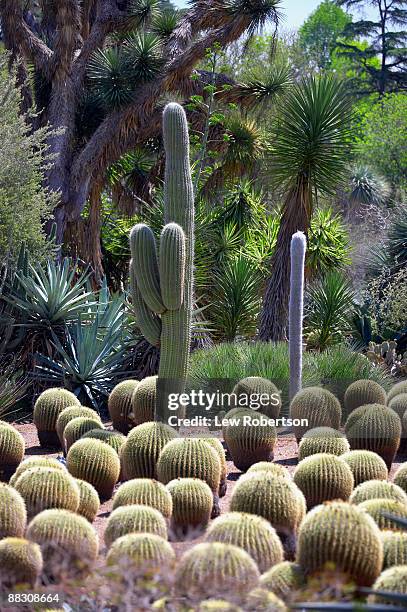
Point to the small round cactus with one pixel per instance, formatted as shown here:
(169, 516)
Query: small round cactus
(283, 579)
(379, 508)
(115, 439)
(42, 488)
(12, 449)
(13, 515)
(68, 543)
(20, 563)
(319, 406)
(189, 458)
(341, 534)
(322, 440)
(252, 388)
(365, 465)
(249, 440)
(276, 499)
(397, 389)
(395, 548)
(392, 580)
(399, 404)
(323, 478)
(89, 503)
(363, 392)
(252, 533)
(47, 409)
(400, 477)
(218, 605)
(212, 569)
(72, 412)
(267, 466)
(134, 519)
(192, 502)
(138, 552)
(262, 599)
(143, 401)
(217, 446)
(35, 461)
(144, 492)
(95, 462)
(142, 448)
(378, 489)
(374, 427)
(120, 405)
(75, 429)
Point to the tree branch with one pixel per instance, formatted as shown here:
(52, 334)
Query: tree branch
(67, 37)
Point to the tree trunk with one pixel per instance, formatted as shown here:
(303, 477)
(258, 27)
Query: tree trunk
(296, 217)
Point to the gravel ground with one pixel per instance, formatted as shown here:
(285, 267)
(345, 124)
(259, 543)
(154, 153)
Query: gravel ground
(285, 453)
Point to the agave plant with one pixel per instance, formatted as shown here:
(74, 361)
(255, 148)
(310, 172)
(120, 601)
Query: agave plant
(13, 387)
(367, 187)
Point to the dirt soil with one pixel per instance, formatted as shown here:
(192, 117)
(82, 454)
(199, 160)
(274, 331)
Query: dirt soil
(285, 454)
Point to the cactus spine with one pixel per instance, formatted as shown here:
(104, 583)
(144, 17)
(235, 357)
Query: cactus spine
(162, 287)
(296, 309)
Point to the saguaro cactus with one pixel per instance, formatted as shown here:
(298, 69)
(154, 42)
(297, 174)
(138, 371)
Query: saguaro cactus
(296, 309)
(162, 283)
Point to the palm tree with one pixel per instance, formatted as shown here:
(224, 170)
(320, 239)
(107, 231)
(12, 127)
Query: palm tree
(111, 61)
(308, 158)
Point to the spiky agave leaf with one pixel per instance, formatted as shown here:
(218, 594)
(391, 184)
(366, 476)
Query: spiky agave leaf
(261, 88)
(164, 23)
(367, 187)
(108, 74)
(143, 53)
(260, 13)
(143, 12)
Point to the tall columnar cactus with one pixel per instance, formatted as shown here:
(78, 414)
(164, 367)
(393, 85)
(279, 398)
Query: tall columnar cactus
(341, 534)
(296, 309)
(162, 284)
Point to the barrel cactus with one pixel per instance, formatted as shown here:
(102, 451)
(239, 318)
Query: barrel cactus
(69, 544)
(400, 477)
(374, 427)
(139, 552)
(13, 515)
(250, 440)
(276, 499)
(95, 462)
(120, 405)
(322, 440)
(379, 508)
(72, 412)
(142, 448)
(262, 599)
(144, 400)
(162, 287)
(318, 406)
(192, 501)
(115, 439)
(12, 449)
(43, 488)
(218, 447)
(144, 492)
(252, 533)
(89, 503)
(323, 478)
(343, 535)
(397, 389)
(134, 519)
(36, 461)
(365, 465)
(212, 569)
(20, 563)
(378, 489)
(392, 580)
(267, 466)
(399, 404)
(363, 392)
(47, 409)
(217, 605)
(283, 579)
(75, 429)
(395, 548)
(251, 389)
(189, 458)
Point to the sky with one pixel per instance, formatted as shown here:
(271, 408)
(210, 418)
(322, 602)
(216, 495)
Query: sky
(295, 11)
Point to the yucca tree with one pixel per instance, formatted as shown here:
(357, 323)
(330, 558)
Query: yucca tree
(99, 70)
(309, 157)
